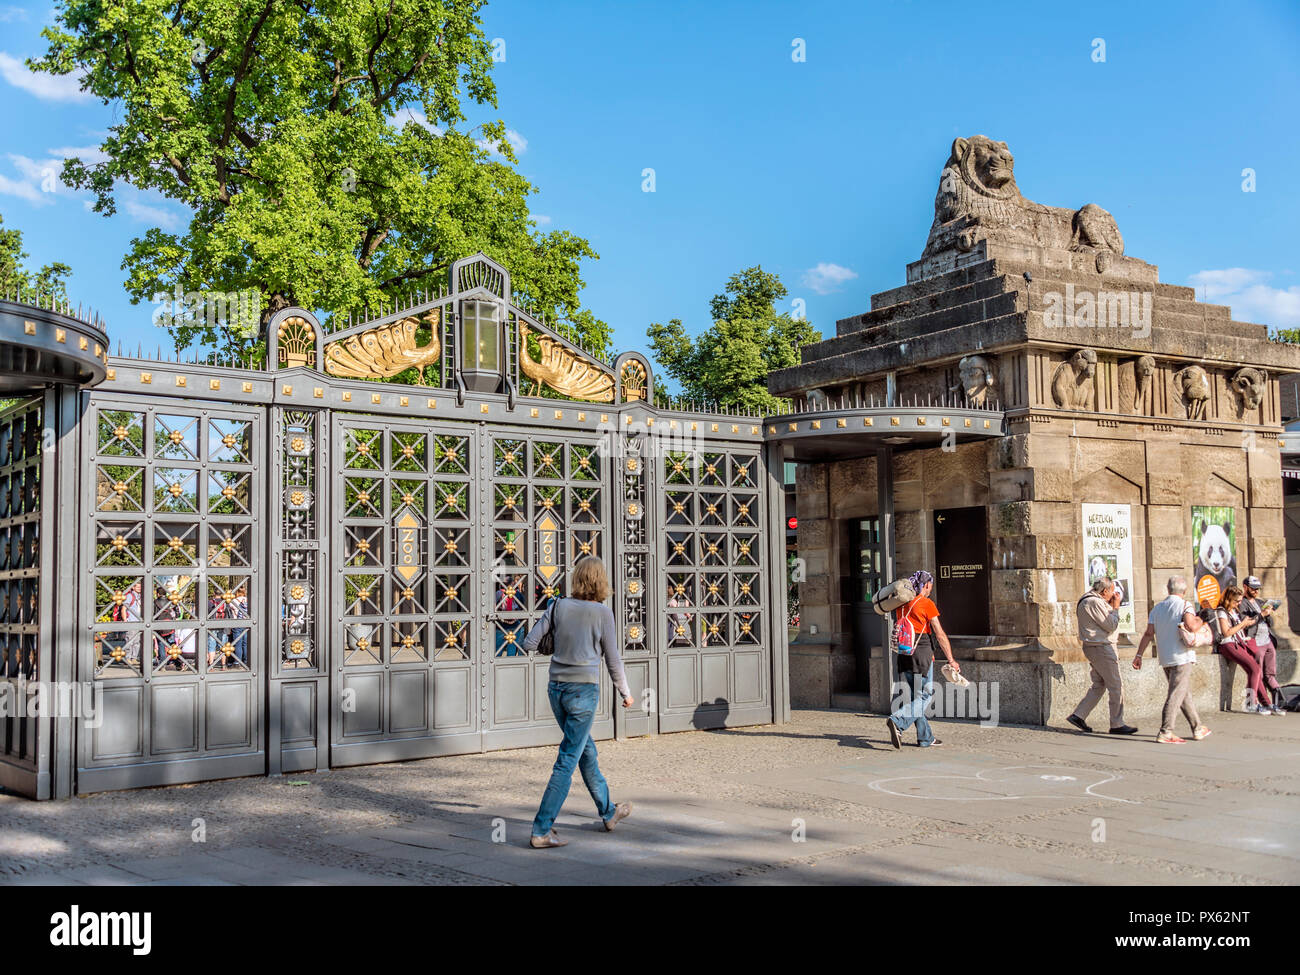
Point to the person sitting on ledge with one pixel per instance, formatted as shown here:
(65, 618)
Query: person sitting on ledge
(1231, 643)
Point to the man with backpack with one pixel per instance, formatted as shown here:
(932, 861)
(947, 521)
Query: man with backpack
(916, 621)
(1098, 617)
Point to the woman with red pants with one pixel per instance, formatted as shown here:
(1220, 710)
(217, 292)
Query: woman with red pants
(1229, 641)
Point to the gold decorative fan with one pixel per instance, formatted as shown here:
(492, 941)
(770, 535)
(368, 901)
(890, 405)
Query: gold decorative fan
(564, 370)
(382, 352)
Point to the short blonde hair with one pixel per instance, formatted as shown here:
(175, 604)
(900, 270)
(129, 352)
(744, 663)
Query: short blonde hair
(589, 580)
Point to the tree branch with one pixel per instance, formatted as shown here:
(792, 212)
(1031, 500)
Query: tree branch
(408, 275)
(228, 120)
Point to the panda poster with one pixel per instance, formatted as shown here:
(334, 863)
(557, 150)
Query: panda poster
(1108, 551)
(1214, 549)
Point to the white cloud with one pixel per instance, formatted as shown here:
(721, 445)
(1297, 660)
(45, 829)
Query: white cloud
(1250, 296)
(47, 87)
(541, 220)
(825, 278)
(23, 189)
(414, 115)
(87, 154)
(517, 142)
(151, 215)
(12, 13)
(39, 179)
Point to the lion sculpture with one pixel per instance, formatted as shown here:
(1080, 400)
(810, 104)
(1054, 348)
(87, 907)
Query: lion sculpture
(978, 199)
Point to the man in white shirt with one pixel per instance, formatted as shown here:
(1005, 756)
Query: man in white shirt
(1175, 657)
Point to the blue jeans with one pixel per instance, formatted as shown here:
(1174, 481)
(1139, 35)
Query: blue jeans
(913, 712)
(574, 706)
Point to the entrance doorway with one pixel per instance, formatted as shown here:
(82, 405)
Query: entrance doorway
(866, 576)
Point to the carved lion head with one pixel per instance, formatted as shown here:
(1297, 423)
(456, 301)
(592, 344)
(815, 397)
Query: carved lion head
(1248, 383)
(986, 166)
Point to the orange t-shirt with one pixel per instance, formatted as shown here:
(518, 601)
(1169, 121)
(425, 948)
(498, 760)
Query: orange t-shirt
(920, 612)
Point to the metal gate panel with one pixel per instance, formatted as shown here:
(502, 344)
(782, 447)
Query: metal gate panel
(406, 648)
(547, 505)
(24, 756)
(174, 607)
(634, 582)
(715, 658)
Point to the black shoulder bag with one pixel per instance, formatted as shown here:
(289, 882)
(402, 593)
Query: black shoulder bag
(546, 645)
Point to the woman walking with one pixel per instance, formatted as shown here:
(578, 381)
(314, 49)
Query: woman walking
(583, 630)
(1229, 641)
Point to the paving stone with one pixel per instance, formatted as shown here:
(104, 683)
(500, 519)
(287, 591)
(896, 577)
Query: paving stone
(718, 808)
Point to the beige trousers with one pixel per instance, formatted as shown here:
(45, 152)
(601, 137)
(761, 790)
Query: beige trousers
(1105, 679)
(1180, 698)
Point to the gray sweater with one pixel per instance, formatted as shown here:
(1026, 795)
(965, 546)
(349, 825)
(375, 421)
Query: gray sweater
(586, 631)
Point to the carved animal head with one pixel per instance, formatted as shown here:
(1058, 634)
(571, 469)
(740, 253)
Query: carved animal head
(1248, 383)
(976, 375)
(1145, 366)
(985, 166)
(1084, 363)
(1193, 383)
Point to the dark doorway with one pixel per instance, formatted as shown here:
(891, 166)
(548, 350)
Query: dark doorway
(961, 585)
(866, 560)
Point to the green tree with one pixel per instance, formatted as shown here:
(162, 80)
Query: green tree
(290, 131)
(729, 363)
(15, 277)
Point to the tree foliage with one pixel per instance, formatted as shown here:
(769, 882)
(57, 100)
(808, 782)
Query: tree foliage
(15, 277)
(321, 147)
(729, 363)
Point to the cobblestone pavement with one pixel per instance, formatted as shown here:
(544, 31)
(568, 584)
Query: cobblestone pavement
(823, 799)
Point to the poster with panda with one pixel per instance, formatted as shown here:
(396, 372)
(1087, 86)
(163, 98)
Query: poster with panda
(1108, 551)
(1214, 548)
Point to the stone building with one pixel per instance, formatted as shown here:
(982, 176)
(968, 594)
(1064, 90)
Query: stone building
(1123, 419)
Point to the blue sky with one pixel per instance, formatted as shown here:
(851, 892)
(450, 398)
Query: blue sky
(822, 170)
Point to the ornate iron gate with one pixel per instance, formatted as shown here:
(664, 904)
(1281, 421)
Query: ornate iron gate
(714, 632)
(291, 568)
(548, 508)
(406, 650)
(174, 602)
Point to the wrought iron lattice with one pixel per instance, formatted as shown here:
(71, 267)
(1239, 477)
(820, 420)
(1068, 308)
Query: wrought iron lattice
(299, 444)
(407, 546)
(175, 551)
(712, 569)
(635, 581)
(480, 274)
(20, 564)
(548, 511)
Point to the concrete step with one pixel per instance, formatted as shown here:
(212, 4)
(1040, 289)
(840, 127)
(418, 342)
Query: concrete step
(851, 701)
